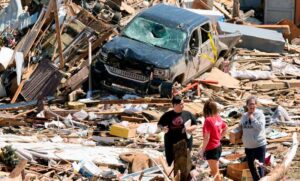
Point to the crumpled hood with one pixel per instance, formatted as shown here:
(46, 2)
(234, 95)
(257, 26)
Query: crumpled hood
(131, 50)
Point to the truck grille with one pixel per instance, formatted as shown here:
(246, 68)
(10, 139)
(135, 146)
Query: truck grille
(125, 74)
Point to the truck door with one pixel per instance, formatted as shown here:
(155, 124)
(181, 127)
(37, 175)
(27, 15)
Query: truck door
(208, 51)
(193, 53)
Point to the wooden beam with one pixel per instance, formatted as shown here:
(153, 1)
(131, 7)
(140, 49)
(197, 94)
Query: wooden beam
(18, 169)
(279, 140)
(12, 122)
(137, 101)
(223, 10)
(132, 119)
(236, 9)
(283, 28)
(279, 172)
(17, 93)
(57, 29)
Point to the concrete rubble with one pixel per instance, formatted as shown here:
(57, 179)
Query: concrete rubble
(56, 124)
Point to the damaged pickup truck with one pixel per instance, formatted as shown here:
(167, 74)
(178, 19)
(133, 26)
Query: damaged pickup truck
(158, 47)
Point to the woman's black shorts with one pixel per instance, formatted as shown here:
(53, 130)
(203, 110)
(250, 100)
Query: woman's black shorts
(213, 154)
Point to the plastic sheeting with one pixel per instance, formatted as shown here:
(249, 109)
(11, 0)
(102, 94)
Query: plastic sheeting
(284, 68)
(251, 74)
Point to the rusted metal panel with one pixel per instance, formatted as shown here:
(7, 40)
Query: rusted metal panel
(43, 82)
(297, 13)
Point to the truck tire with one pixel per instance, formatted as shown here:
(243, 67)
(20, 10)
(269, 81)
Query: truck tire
(166, 89)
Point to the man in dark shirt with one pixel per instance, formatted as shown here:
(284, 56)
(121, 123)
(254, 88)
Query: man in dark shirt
(172, 123)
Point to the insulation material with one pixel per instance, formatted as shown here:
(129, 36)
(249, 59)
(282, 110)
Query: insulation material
(5, 57)
(284, 68)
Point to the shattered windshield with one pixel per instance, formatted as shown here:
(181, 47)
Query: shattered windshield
(156, 34)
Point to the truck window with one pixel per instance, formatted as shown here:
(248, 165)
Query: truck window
(194, 43)
(205, 29)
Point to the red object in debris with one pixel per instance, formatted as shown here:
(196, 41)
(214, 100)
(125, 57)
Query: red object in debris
(297, 13)
(208, 82)
(196, 85)
(268, 160)
(188, 87)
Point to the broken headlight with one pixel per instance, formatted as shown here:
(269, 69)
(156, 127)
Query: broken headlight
(103, 56)
(161, 73)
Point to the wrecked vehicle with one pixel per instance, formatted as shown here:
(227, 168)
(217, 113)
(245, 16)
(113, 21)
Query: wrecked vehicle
(158, 47)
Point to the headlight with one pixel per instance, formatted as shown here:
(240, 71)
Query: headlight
(161, 73)
(103, 56)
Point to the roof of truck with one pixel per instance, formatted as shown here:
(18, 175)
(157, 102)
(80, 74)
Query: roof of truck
(174, 17)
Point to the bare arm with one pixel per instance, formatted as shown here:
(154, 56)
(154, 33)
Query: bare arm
(224, 131)
(205, 141)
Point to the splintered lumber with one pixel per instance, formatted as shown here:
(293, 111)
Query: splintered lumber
(18, 169)
(285, 28)
(258, 54)
(223, 10)
(137, 101)
(58, 36)
(275, 84)
(236, 9)
(279, 172)
(12, 122)
(132, 119)
(279, 140)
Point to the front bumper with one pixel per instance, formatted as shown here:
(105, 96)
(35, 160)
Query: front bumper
(126, 81)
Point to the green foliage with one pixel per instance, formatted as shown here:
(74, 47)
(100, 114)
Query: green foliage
(10, 158)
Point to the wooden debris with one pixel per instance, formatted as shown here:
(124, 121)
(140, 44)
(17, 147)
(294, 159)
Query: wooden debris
(182, 160)
(279, 171)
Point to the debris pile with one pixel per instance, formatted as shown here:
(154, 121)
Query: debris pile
(58, 123)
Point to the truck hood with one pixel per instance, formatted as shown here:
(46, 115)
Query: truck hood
(131, 50)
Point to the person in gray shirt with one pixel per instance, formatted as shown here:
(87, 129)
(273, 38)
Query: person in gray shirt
(254, 137)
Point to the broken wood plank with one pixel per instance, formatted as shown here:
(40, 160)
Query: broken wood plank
(132, 119)
(12, 122)
(58, 36)
(137, 101)
(223, 10)
(18, 169)
(26, 76)
(284, 28)
(236, 9)
(17, 93)
(25, 112)
(258, 54)
(279, 172)
(279, 140)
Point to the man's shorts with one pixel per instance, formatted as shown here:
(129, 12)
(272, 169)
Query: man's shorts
(213, 154)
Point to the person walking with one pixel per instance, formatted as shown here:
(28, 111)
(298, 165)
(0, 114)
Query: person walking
(173, 124)
(252, 124)
(214, 129)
